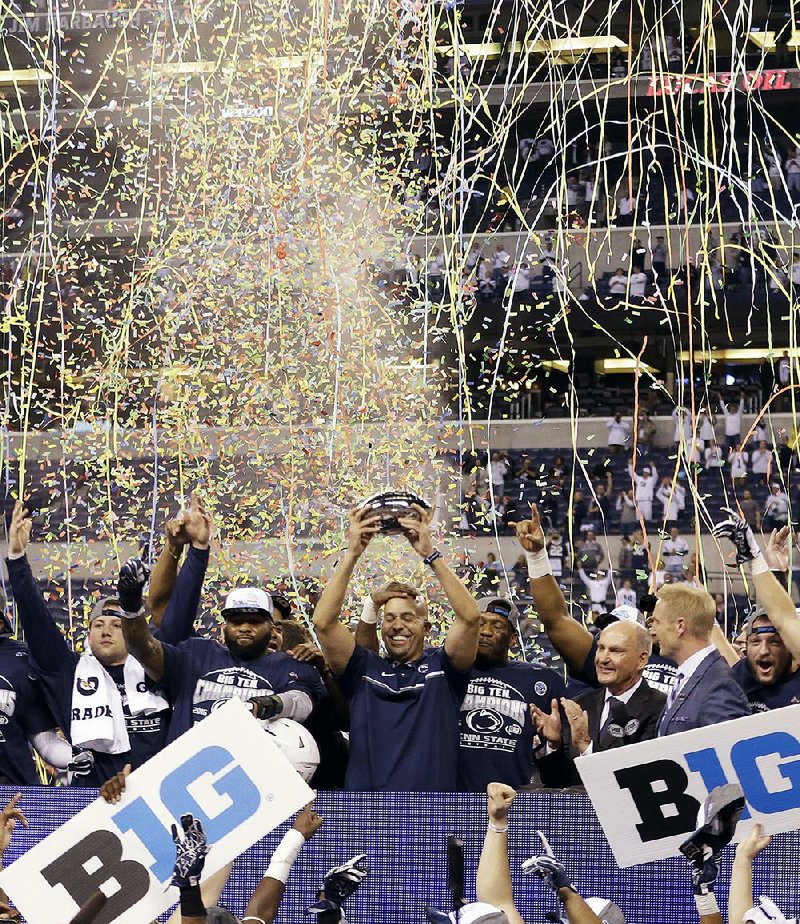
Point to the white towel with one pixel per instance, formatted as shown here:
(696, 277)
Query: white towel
(98, 719)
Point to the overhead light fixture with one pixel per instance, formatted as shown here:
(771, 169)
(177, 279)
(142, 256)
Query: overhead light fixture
(736, 354)
(567, 49)
(557, 365)
(622, 364)
(189, 67)
(26, 75)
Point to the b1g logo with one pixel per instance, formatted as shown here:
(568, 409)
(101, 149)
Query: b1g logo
(102, 851)
(763, 765)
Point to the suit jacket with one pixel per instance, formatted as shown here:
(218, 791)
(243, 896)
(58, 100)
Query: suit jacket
(638, 721)
(709, 696)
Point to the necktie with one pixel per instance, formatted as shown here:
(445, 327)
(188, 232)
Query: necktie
(673, 693)
(612, 702)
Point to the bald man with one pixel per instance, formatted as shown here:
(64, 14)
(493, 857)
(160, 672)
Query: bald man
(624, 710)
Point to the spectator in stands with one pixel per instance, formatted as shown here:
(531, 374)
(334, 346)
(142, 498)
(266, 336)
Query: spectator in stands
(618, 283)
(509, 689)
(705, 691)
(579, 510)
(626, 506)
(435, 272)
(673, 498)
(619, 432)
(498, 471)
(558, 469)
(733, 421)
(644, 484)
(520, 575)
(501, 260)
(623, 710)
(592, 554)
(508, 511)
(626, 595)
(625, 559)
(705, 427)
(100, 699)
(750, 510)
(675, 551)
(404, 729)
(761, 461)
(558, 553)
(682, 431)
(660, 257)
(486, 283)
(640, 559)
(738, 459)
(776, 509)
(597, 587)
(714, 456)
(638, 282)
(645, 434)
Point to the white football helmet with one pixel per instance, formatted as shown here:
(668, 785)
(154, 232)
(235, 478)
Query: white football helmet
(297, 744)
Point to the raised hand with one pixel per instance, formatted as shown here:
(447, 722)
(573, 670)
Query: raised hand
(384, 594)
(418, 532)
(530, 534)
(548, 725)
(361, 529)
(190, 850)
(735, 529)
(753, 844)
(192, 525)
(308, 822)
(308, 653)
(133, 576)
(776, 552)
(9, 818)
(19, 530)
(499, 799)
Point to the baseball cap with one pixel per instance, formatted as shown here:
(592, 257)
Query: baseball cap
(500, 606)
(106, 606)
(621, 613)
(473, 913)
(757, 612)
(248, 601)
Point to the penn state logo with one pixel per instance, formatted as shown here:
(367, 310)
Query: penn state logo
(87, 687)
(484, 721)
(540, 688)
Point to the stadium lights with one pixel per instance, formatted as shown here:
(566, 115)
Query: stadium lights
(557, 365)
(566, 50)
(621, 365)
(736, 355)
(766, 40)
(26, 75)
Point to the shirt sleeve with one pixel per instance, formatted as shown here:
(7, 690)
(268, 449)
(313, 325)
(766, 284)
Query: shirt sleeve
(177, 624)
(353, 675)
(305, 679)
(177, 664)
(588, 673)
(37, 717)
(48, 647)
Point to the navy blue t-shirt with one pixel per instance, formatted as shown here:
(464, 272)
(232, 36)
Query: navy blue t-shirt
(403, 722)
(22, 713)
(763, 697)
(200, 673)
(496, 728)
(660, 673)
(54, 664)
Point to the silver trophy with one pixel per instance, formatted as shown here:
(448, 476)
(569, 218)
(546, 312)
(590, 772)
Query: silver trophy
(392, 506)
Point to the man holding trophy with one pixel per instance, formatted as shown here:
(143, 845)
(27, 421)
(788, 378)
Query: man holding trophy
(404, 708)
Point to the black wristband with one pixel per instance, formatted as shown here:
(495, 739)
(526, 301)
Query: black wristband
(430, 559)
(192, 902)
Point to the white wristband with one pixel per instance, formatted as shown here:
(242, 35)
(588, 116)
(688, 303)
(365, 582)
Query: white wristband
(369, 612)
(706, 904)
(759, 565)
(285, 854)
(497, 829)
(13, 556)
(538, 564)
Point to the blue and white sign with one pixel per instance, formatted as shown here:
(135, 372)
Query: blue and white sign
(647, 795)
(225, 771)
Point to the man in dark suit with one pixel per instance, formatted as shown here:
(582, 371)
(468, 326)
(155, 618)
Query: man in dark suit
(622, 711)
(705, 691)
